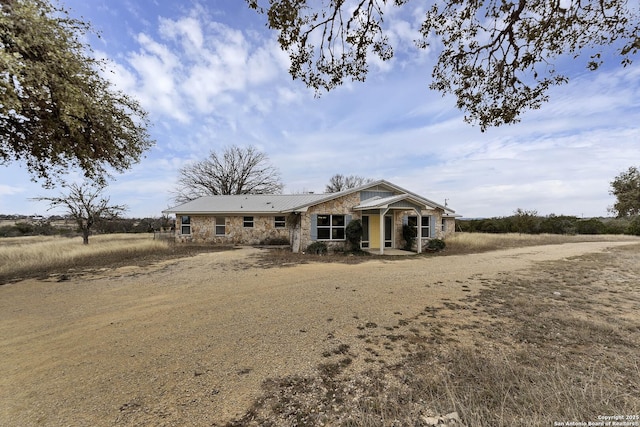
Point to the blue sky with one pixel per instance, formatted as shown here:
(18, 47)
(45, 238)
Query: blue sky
(211, 75)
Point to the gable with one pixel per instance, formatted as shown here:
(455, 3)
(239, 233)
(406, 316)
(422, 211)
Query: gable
(369, 194)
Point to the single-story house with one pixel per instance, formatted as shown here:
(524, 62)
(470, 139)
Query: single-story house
(301, 219)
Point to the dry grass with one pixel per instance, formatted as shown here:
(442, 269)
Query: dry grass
(558, 343)
(40, 256)
(20, 255)
(465, 243)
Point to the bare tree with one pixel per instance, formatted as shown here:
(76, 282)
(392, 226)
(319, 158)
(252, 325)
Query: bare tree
(339, 182)
(86, 205)
(237, 170)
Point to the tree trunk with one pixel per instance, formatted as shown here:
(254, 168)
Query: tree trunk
(85, 236)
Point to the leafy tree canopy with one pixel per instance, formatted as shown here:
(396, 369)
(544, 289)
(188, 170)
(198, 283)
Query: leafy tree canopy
(626, 188)
(236, 170)
(56, 110)
(495, 56)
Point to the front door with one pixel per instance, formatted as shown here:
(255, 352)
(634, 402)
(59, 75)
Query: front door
(374, 231)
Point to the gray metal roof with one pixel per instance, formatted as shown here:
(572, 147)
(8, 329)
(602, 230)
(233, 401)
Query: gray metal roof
(247, 203)
(284, 203)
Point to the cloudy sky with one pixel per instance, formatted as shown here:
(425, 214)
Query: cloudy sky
(211, 75)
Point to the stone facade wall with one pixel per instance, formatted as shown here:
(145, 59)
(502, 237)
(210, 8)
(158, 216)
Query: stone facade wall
(203, 230)
(340, 206)
(439, 233)
(449, 227)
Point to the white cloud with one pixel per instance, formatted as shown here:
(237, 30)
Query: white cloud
(7, 190)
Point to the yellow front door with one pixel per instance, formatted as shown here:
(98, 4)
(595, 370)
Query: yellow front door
(374, 231)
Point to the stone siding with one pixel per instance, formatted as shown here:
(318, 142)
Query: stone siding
(340, 206)
(203, 230)
(439, 233)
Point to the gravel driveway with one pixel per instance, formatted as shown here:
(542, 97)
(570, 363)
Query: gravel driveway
(189, 342)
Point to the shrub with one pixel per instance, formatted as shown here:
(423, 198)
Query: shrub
(354, 233)
(317, 248)
(590, 226)
(436, 244)
(409, 236)
(634, 227)
(24, 227)
(275, 241)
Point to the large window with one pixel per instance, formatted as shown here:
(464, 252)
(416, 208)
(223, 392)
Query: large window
(220, 227)
(247, 222)
(425, 230)
(280, 222)
(185, 224)
(331, 227)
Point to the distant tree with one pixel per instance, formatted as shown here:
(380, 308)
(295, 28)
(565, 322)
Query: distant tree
(559, 224)
(626, 188)
(634, 226)
(526, 221)
(85, 204)
(339, 182)
(590, 226)
(56, 109)
(495, 56)
(236, 170)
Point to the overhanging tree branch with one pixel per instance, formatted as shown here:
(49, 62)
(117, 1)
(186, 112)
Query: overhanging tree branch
(495, 56)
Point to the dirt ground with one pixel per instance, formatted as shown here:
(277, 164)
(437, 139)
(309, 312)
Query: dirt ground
(190, 341)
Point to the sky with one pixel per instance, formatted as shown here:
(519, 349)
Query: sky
(210, 74)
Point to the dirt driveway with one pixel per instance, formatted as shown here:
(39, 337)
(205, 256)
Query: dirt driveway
(189, 342)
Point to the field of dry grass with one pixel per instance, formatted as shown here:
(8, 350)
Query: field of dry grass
(41, 256)
(464, 243)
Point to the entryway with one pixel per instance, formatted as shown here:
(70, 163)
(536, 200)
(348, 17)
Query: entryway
(371, 232)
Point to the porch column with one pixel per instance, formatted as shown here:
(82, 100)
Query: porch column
(383, 212)
(419, 232)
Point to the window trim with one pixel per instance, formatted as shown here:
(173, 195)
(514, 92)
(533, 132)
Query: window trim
(423, 227)
(280, 223)
(223, 225)
(185, 225)
(331, 228)
(248, 221)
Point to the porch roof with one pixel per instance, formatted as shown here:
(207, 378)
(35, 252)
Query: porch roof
(389, 202)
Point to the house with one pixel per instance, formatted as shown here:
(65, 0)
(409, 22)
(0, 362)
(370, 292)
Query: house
(302, 219)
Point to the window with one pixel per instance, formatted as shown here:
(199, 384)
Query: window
(425, 229)
(185, 224)
(220, 227)
(280, 222)
(365, 231)
(330, 227)
(444, 225)
(247, 222)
